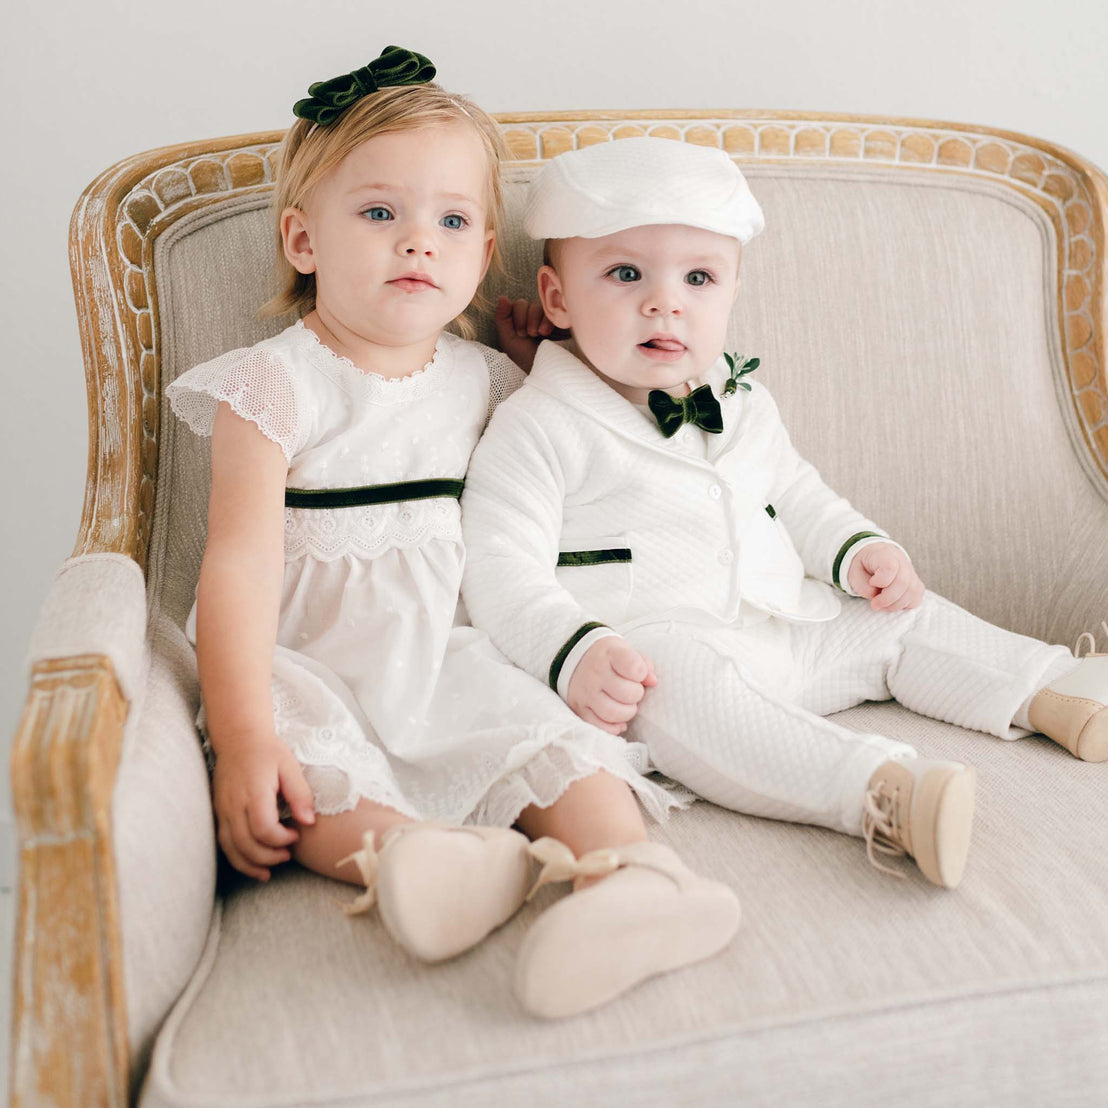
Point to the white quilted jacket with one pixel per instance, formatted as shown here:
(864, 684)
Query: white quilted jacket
(578, 511)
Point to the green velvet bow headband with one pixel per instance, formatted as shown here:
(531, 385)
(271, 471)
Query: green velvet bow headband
(327, 100)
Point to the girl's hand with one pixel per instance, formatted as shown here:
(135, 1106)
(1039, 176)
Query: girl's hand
(249, 777)
(884, 574)
(520, 327)
(608, 684)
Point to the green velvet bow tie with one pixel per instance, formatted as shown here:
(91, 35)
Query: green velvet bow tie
(699, 408)
(327, 100)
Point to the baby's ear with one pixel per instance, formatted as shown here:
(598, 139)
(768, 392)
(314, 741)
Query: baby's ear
(553, 297)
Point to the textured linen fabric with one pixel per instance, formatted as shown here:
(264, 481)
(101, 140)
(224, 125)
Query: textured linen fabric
(96, 605)
(164, 839)
(906, 328)
(840, 979)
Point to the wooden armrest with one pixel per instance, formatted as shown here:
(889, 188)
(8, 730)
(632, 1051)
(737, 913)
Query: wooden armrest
(69, 1025)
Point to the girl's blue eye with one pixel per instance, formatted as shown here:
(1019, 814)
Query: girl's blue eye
(625, 274)
(698, 278)
(454, 222)
(378, 214)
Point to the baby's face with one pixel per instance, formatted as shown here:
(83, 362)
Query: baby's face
(648, 306)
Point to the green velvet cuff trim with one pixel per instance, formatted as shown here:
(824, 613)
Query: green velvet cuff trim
(374, 494)
(593, 557)
(770, 511)
(563, 654)
(842, 554)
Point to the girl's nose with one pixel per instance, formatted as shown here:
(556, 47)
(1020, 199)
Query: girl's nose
(417, 240)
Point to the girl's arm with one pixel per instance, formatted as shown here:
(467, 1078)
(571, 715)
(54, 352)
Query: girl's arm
(238, 599)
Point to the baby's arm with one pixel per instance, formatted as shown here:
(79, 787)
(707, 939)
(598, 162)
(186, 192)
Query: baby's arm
(836, 543)
(512, 517)
(608, 683)
(237, 605)
(520, 326)
(883, 573)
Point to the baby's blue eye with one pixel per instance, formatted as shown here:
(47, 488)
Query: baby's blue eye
(698, 277)
(377, 214)
(625, 274)
(453, 222)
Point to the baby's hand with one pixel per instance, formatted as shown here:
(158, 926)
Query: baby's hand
(609, 682)
(249, 776)
(883, 574)
(520, 327)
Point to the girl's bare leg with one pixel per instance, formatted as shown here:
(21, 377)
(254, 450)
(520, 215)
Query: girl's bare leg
(323, 844)
(595, 812)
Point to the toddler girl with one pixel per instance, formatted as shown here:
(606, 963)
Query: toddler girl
(336, 672)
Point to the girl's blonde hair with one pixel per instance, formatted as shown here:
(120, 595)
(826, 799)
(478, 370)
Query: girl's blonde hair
(309, 152)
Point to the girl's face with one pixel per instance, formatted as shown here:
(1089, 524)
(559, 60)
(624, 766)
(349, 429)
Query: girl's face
(396, 235)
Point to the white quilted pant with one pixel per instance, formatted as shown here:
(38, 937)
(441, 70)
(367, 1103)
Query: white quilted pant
(737, 715)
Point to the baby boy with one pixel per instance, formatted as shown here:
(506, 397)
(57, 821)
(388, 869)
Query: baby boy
(642, 534)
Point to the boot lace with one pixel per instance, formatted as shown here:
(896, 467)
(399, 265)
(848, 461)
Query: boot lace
(1090, 638)
(878, 828)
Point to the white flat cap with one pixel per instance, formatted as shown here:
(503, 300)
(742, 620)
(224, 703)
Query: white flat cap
(638, 182)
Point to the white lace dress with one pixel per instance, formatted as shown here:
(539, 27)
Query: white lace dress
(380, 687)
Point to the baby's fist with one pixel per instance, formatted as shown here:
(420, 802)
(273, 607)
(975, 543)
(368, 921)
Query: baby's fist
(883, 574)
(608, 684)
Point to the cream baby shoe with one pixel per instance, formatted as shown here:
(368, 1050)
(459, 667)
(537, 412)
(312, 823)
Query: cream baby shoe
(1073, 710)
(924, 808)
(652, 914)
(441, 889)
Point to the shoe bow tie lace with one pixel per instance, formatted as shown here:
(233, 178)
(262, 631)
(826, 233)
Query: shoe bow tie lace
(327, 100)
(699, 408)
(559, 863)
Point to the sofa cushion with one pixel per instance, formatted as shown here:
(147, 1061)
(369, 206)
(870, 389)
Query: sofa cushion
(843, 983)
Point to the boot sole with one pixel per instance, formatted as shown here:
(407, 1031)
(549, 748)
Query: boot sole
(664, 939)
(1092, 743)
(943, 801)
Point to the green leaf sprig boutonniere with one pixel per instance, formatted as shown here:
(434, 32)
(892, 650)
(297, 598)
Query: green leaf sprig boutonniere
(739, 365)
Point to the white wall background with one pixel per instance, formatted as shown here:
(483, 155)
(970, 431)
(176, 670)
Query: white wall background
(87, 82)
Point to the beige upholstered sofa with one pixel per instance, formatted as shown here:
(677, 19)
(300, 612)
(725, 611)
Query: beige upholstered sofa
(928, 303)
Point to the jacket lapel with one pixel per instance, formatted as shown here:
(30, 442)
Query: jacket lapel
(560, 373)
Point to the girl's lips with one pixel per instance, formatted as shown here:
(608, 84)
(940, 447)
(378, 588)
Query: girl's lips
(413, 282)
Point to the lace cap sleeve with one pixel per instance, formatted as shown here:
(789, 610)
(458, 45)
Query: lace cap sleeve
(504, 376)
(255, 382)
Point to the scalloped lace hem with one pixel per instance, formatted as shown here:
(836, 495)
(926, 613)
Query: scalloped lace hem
(543, 779)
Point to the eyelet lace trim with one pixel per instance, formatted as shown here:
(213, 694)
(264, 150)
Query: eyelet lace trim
(340, 369)
(331, 533)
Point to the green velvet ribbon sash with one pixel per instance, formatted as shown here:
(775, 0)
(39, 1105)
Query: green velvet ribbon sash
(375, 494)
(593, 557)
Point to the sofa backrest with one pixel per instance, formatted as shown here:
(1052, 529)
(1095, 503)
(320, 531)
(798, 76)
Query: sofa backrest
(924, 301)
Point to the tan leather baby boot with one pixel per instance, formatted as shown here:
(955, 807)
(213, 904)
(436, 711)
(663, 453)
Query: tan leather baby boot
(1073, 710)
(440, 889)
(650, 915)
(923, 808)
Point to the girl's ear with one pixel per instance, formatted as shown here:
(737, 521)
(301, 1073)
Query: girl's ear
(296, 240)
(553, 298)
(490, 243)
